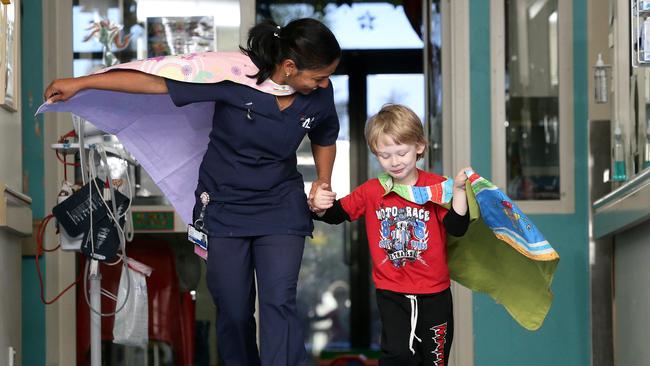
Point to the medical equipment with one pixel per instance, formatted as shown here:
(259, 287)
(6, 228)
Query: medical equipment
(96, 220)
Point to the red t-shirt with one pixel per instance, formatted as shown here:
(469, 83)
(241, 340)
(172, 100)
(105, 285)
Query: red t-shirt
(407, 241)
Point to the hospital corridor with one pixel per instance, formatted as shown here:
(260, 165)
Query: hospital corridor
(541, 106)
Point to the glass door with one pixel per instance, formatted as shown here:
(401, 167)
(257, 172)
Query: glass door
(323, 287)
(382, 62)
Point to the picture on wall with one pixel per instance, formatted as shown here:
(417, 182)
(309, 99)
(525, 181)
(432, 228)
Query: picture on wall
(180, 35)
(9, 55)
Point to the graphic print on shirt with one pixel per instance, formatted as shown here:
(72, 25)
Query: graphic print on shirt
(403, 234)
(439, 335)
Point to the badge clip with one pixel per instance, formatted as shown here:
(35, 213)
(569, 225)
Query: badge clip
(196, 233)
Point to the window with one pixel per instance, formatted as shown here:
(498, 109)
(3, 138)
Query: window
(532, 103)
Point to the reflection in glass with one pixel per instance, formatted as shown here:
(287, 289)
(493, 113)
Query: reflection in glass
(358, 26)
(394, 89)
(532, 103)
(433, 75)
(323, 287)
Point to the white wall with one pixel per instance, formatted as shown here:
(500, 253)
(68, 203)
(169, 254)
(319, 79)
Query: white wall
(10, 245)
(10, 288)
(632, 296)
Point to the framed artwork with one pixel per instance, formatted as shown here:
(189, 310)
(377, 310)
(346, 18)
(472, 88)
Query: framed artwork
(9, 27)
(180, 35)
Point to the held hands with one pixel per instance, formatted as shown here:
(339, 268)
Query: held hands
(61, 90)
(322, 198)
(312, 192)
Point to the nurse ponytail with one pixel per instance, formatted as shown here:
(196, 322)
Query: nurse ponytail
(308, 42)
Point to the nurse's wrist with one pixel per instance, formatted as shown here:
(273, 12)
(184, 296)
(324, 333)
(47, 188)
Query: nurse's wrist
(320, 181)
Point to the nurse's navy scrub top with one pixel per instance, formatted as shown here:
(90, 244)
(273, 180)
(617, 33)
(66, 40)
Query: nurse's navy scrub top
(250, 168)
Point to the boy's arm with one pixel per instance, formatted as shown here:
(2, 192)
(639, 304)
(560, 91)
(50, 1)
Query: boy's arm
(348, 208)
(455, 224)
(128, 81)
(456, 221)
(333, 215)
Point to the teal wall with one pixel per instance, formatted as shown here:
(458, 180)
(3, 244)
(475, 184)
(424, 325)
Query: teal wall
(480, 89)
(564, 337)
(33, 310)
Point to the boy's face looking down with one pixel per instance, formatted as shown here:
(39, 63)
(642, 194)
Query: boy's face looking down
(399, 160)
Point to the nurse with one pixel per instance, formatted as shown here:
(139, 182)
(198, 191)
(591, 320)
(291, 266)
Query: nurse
(257, 216)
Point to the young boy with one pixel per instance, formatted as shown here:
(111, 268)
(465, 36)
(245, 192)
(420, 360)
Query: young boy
(407, 239)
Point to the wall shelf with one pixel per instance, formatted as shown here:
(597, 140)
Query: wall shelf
(623, 208)
(15, 211)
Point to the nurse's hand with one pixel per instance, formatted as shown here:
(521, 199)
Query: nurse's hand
(323, 198)
(62, 89)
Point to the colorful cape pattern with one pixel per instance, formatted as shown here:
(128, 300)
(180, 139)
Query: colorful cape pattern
(169, 142)
(503, 254)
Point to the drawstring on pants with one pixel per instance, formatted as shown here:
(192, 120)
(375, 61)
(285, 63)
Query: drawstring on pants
(414, 320)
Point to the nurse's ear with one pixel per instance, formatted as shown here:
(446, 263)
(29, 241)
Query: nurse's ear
(289, 68)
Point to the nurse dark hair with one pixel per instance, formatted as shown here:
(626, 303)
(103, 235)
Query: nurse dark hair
(308, 42)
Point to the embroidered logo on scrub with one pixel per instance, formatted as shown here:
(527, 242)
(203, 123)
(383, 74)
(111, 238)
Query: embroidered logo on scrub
(306, 122)
(249, 114)
(403, 233)
(439, 334)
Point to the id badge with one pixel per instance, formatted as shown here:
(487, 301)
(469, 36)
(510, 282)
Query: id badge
(197, 237)
(196, 234)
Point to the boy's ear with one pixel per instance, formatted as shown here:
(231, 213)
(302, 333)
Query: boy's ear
(420, 149)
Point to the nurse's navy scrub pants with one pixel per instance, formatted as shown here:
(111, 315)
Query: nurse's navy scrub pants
(276, 259)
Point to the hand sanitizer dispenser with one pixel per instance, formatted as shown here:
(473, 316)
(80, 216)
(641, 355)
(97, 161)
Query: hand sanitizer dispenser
(620, 174)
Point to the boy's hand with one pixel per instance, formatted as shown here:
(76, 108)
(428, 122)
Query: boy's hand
(460, 179)
(312, 190)
(459, 202)
(322, 199)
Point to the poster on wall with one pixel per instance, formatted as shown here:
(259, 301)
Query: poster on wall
(9, 55)
(180, 35)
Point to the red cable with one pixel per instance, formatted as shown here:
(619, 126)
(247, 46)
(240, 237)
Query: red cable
(71, 133)
(40, 232)
(58, 156)
(39, 251)
(65, 167)
(62, 139)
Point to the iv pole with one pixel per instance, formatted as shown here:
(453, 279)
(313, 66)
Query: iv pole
(95, 277)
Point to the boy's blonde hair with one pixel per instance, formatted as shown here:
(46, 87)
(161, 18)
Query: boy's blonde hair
(397, 122)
